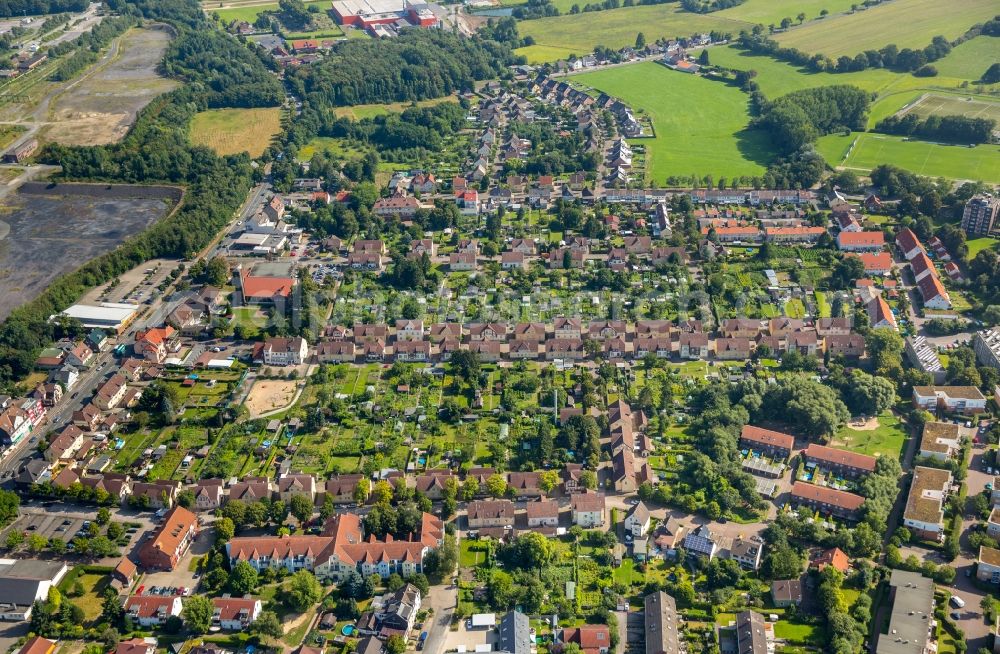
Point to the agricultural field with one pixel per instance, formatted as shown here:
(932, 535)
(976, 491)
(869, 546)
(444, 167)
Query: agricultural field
(361, 111)
(561, 36)
(701, 125)
(954, 105)
(766, 12)
(100, 107)
(970, 59)
(231, 131)
(864, 151)
(893, 90)
(914, 23)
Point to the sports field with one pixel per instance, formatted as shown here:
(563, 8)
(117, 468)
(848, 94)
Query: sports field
(955, 105)
(701, 126)
(907, 23)
(231, 131)
(981, 163)
(561, 36)
(970, 60)
(766, 12)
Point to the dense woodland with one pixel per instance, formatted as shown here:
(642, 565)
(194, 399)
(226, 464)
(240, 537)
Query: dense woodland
(420, 64)
(155, 150)
(35, 7)
(799, 118)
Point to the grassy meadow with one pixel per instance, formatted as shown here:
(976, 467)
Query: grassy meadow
(907, 23)
(250, 12)
(231, 131)
(561, 36)
(361, 111)
(701, 125)
(864, 151)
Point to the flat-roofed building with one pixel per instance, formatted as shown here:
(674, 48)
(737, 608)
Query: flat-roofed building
(958, 399)
(924, 357)
(987, 346)
(988, 565)
(940, 440)
(924, 512)
(114, 316)
(911, 621)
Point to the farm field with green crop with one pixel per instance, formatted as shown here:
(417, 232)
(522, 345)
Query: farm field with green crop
(970, 60)
(894, 90)
(913, 24)
(935, 160)
(701, 125)
(766, 12)
(560, 36)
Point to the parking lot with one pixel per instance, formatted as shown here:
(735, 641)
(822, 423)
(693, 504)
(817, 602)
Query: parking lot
(66, 526)
(469, 638)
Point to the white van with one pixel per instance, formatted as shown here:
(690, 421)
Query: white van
(957, 601)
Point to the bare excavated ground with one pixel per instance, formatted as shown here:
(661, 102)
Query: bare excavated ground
(47, 232)
(101, 106)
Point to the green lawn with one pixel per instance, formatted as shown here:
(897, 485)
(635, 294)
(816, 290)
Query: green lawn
(560, 36)
(795, 309)
(822, 306)
(981, 163)
(796, 633)
(701, 125)
(888, 438)
(977, 245)
(913, 24)
(93, 586)
(766, 12)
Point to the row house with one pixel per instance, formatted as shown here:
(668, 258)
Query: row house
(827, 500)
(490, 513)
(774, 443)
(860, 241)
(843, 462)
(340, 550)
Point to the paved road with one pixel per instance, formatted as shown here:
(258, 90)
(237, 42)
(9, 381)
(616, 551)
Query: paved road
(443, 599)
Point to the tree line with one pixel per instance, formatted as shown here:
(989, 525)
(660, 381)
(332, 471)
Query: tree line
(890, 56)
(952, 129)
(155, 150)
(34, 7)
(708, 6)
